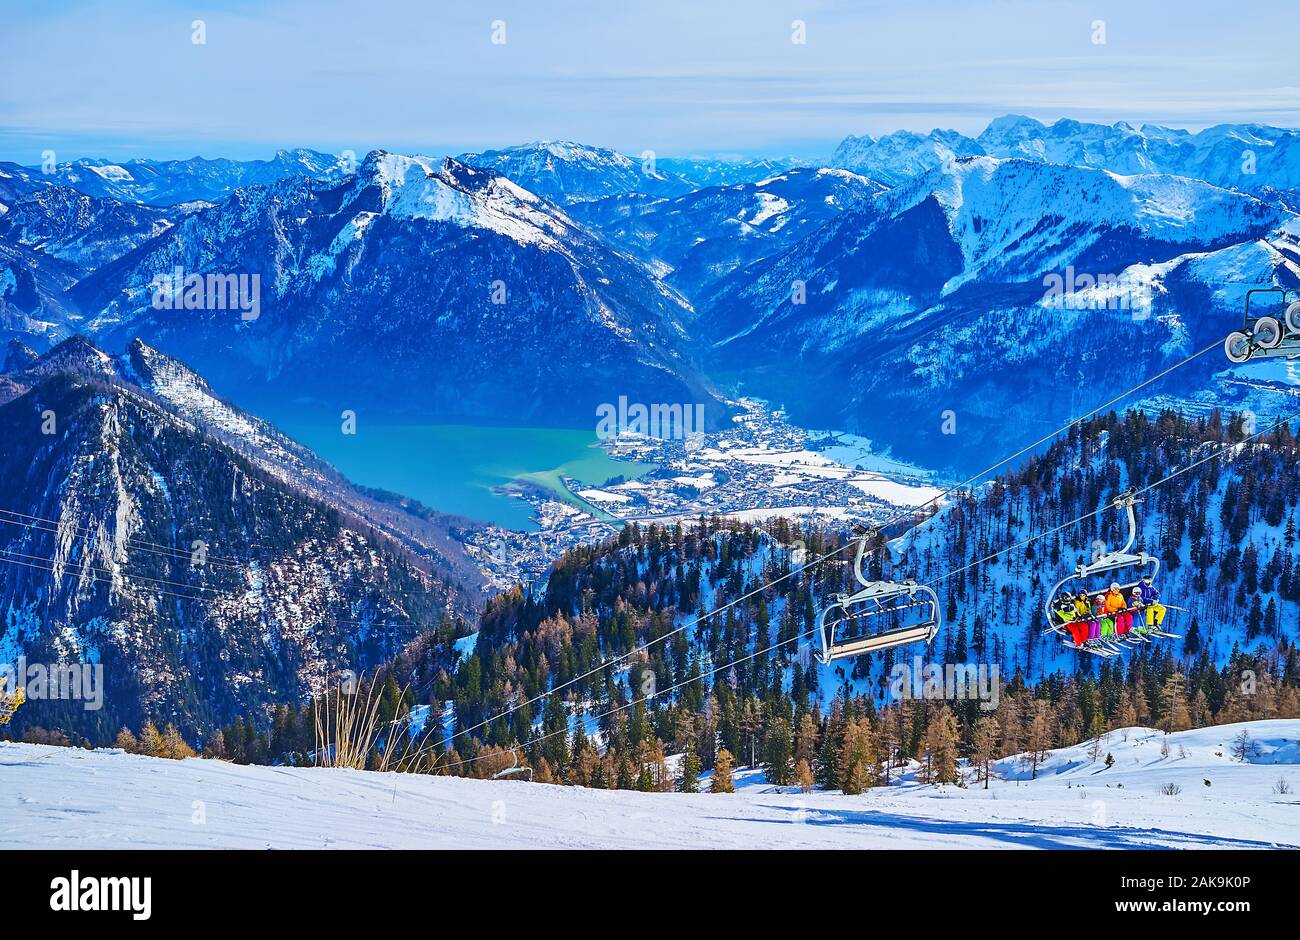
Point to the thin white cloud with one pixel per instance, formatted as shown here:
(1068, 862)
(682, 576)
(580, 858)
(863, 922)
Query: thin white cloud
(104, 78)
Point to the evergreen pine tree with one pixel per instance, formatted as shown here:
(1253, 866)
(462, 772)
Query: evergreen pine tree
(778, 752)
(689, 782)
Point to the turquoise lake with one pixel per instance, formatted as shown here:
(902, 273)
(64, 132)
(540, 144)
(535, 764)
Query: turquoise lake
(458, 468)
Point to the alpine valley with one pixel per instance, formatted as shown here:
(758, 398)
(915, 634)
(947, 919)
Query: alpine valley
(856, 331)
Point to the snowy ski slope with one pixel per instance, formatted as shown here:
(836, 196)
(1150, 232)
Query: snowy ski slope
(69, 798)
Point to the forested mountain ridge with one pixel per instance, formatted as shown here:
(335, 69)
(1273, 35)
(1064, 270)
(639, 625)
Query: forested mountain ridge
(1225, 530)
(204, 580)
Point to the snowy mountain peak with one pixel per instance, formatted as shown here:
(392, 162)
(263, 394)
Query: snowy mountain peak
(569, 172)
(1010, 127)
(564, 151)
(996, 207)
(449, 190)
(75, 354)
(903, 154)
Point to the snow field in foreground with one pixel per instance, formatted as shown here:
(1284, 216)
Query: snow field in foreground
(72, 799)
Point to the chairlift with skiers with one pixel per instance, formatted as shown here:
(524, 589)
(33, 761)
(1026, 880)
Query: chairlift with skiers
(1118, 616)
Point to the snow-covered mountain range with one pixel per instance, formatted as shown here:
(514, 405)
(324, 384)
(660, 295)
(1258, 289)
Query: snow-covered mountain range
(564, 171)
(935, 298)
(568, 173)
(874, 298)
(413, 288)
(172, 182)
(1252, 157)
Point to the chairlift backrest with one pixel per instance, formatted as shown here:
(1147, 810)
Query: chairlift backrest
(1266, 301)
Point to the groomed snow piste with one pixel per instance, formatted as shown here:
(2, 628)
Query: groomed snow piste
(69, 798)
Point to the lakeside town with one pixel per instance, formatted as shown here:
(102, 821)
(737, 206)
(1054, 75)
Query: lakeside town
(759, 468)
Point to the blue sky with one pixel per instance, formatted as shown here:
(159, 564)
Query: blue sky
(121, 80)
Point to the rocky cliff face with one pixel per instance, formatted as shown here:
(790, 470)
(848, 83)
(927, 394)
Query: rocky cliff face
(200, 564)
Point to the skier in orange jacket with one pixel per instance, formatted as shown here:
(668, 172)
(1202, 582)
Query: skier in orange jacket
(1115, 599)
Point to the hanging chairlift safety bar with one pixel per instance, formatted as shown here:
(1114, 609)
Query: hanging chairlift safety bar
(878, 592)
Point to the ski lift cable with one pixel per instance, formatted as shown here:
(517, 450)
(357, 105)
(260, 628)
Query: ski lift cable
(1133, 494)
(645, 646)
(180, 556)
(55, 522)
(75, 570)
(204, 590)
(176, 554)
(1079, 420)
(646, 698)
(94, 572)
(911, 511)
(123, 574)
